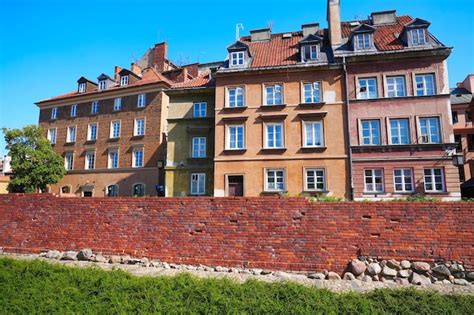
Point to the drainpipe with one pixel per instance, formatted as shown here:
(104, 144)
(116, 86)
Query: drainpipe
(348, 126)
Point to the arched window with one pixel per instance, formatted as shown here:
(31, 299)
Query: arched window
(112, 191)
(66, 189)
(139, 190)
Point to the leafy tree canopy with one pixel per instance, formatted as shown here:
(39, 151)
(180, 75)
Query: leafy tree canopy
(34, 163)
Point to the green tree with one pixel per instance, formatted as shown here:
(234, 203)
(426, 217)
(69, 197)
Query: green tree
(35, 164)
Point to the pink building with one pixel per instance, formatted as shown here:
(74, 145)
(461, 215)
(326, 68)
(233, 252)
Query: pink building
(399, 114)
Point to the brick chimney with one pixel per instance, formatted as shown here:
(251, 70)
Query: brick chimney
(192, 69)
(334, 22)
(136, 69)
(159, 56)
(116, 73)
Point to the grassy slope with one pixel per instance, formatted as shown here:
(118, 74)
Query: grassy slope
(39, 287)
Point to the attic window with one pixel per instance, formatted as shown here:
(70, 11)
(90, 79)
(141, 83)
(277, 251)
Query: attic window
(124, 80)
(418, 37)
(82, 87)
(102, 85)
(237, 58)
(363, 41)
(309, 53)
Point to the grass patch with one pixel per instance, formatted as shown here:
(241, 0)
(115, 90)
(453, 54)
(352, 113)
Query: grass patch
(29, 287)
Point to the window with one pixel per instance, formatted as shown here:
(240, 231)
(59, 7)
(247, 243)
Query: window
(363, 41)
(425, 84)
(429, 130)
(200, 109)
(113, 158)
(137, 157)
(139, 190)
(315, 179)
(74, 110)
(468, 116)
(124, 80)
(199, 147)
(71, 134)
(90, 161)
(370, 132)
(95, 107)
(274, 136)
(367, 88)
(312, 92)
(396, 86)
(82, 87)
(66, 189)
(237, 59)
(54, 113)
(403, 180)
(69, 161)
(117, 104)
(235, 97)
(418, 37)
(112, 191)
(141, 100)
(102, 85)
(454, 114)
(275, 180)
(399, 131)
(373, 180)
(52, 135)
(434, 180)
(313, 134)
(139, 127)
(198, 184)
(273, 94)
(115, 129)
(92, 132)
(309, 53)
(470, 142)
(235, 137)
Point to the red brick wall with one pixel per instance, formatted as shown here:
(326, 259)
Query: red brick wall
(287, 233)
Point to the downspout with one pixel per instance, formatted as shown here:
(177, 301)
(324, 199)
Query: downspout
(348, 127)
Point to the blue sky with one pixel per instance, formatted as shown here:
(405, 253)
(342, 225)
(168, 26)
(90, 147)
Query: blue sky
(46, 45)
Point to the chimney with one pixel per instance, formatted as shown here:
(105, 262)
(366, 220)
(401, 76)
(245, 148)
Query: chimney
(383, 17)
(260, 35)
(334, 22)
(192, 69)
(136, 69)
(116, 73)
(159, 56)
(309, 29)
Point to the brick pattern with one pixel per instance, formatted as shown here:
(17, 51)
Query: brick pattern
(277, 233)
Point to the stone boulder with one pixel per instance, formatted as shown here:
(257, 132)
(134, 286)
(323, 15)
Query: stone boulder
(114, 259)
(389, 272)
(100, 258)
(404, 273)
(420, 266)
(441, 270)
(317, 276)
(420, 279)
(405, 264)
(393, 264)
(85, 254)
(357, 267)
(53, 254)
(333, 276)
(374, 269)
(348, 276)
(69, 255)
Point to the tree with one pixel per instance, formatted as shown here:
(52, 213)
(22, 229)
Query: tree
(34, 163)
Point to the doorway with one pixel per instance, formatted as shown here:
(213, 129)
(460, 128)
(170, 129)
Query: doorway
(235, 185)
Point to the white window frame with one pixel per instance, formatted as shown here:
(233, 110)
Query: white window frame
(69, 161)
(237, 89)
(112, 135)
(420, 35)
(274, 137)
(134, 160)
(74, 110)
(313, 131)
(367, 41)
(432, 176)
(392, 87)
(275, 170)
(54, 113)
(141, 100)
(398, 129)
(136, 129)
(95, 107)
(89, 131)
(429, 136)
(366, 94)
(52, 135)
(424, 89)
(316, 93)
(237, 58)
(124, 80)
(89, 164)
(117, 104)
(198, 184)
(316, 177)
(110, 160)
(69, 134)
(198, 147)
(274, 92)
(102, 85)
(403, 182)
(373, 177)
(228, 137)
(371, 134)
(200, 109)
(313, 53)
(82, 87)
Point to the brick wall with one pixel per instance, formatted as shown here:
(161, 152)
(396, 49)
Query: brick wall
(287, 233)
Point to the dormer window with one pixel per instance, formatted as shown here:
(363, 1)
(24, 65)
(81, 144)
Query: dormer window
(363, 41)
(418, 37)
(124, 80)
(82, 87)
(102, 85)
(309, 53)
(237, 58)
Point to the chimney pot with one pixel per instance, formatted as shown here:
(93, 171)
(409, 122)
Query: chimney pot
(160, 52)
(383, 17)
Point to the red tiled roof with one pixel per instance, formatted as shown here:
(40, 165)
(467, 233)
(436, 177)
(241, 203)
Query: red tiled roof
(199, 81)
(385, 36)
(276, 52)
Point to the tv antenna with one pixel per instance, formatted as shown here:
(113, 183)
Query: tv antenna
(238, 27)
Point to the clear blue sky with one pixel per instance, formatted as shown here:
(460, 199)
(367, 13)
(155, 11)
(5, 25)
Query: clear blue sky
(46, 45)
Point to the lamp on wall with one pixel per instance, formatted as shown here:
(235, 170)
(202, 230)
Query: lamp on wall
(458, 160)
